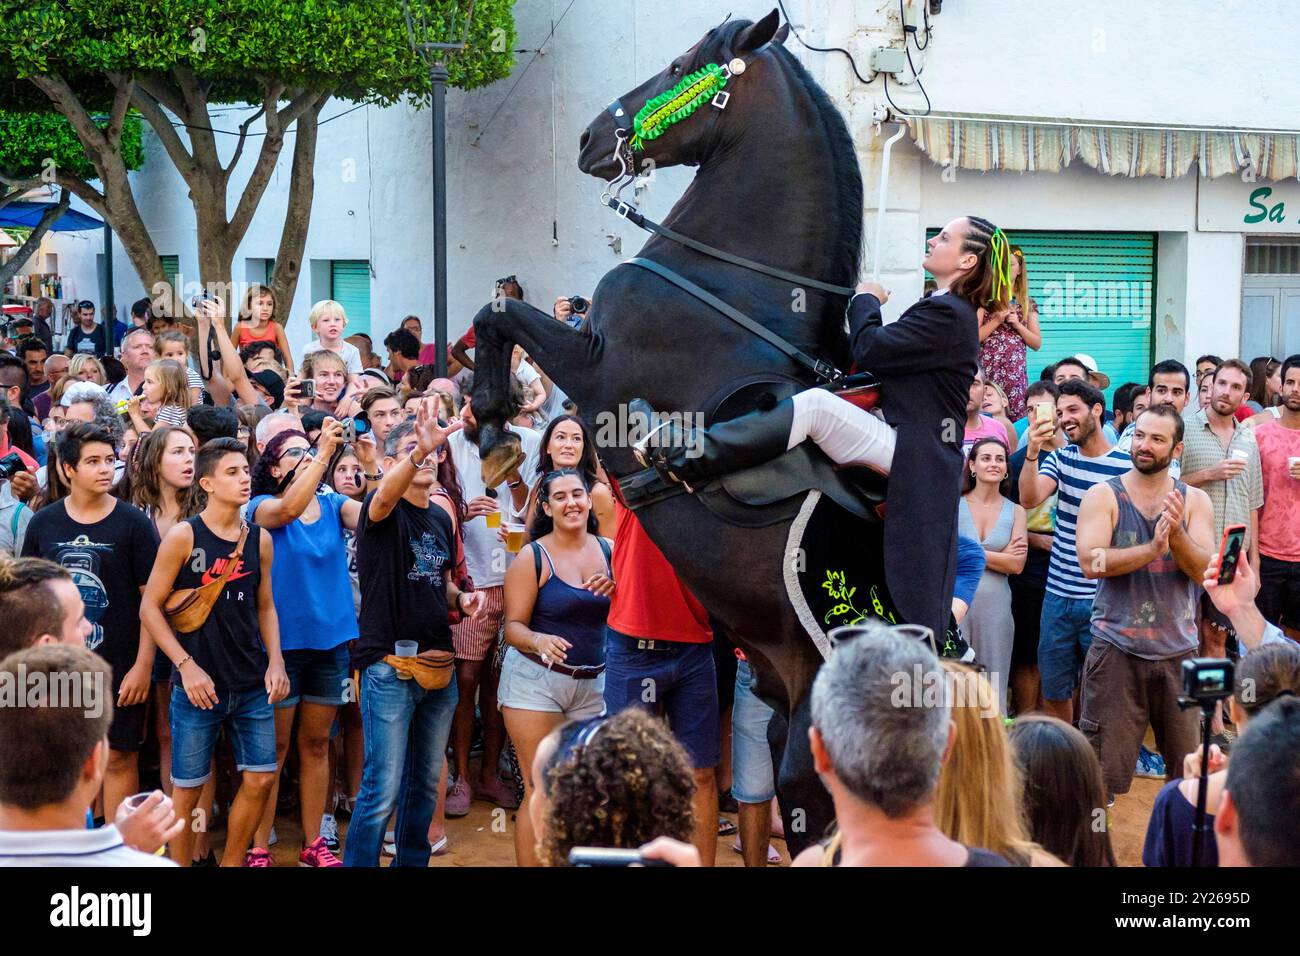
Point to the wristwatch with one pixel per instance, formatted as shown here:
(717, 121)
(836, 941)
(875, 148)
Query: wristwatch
(377, 476)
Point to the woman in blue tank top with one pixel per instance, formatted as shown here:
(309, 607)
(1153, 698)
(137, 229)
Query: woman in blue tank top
(557, 597)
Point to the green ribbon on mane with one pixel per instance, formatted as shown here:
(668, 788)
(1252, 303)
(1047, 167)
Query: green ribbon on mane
(674, 105)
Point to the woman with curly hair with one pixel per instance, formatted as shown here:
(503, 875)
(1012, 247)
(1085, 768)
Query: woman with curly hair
(617, 782)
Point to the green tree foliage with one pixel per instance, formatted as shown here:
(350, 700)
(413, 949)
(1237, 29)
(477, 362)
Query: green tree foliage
(97, 63)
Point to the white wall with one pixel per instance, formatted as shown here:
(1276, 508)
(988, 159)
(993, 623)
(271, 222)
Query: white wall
(519, 205)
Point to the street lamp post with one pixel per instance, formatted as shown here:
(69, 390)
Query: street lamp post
(438, 88)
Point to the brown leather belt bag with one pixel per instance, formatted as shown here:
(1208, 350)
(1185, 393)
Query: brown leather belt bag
(431, 673)
(187, 608)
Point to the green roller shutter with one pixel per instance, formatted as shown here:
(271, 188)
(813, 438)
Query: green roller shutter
(350, 287)
(1095, 293)
(171, 266)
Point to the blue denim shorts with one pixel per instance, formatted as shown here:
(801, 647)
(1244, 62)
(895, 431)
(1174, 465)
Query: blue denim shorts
(250, 724)
(317, 677)
(752, 779)
(679, 682)
(1064, 636)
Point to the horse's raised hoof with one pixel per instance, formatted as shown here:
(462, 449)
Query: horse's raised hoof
(502, 460)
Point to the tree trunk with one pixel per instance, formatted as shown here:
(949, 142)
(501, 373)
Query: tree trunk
(302, 188)
(33, 242)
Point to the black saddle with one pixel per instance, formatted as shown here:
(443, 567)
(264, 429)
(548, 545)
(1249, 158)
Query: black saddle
(773, 491)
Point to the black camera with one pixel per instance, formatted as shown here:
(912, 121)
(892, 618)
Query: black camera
(352, 427)
(10, 464)
(307, 388)
(578, 304)
(1207, 679)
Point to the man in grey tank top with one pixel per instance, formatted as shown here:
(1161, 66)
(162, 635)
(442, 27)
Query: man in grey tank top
(1147, 538)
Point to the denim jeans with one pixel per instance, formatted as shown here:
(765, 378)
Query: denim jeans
(752, 776)
(406, 730)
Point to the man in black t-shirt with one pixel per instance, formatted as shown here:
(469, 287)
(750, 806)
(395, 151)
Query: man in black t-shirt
(406, 547)
(229, 672)
(108, 548)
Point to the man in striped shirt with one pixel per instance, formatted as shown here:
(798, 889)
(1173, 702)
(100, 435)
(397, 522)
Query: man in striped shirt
(1065, 629)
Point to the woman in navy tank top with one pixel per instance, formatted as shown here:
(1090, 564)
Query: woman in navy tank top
(557, 597)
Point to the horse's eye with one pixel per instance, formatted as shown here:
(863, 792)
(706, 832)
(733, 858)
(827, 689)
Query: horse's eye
(676, 69)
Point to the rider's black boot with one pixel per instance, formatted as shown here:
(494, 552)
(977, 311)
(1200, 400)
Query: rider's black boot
(695, 455)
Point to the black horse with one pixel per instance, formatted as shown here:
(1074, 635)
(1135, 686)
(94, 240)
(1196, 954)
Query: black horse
(779, 183)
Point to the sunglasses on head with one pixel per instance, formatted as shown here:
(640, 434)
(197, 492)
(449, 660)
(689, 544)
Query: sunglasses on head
(508, 280)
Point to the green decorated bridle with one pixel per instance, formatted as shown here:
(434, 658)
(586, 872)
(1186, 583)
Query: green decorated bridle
(664, 110)
(674, 105)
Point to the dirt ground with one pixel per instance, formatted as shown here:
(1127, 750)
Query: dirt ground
(479, 840)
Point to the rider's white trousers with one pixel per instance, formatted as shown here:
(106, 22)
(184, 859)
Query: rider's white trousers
(846, 433)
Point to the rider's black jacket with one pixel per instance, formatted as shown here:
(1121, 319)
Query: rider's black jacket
(926, 362)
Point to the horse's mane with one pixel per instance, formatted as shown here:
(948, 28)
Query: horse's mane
(847, 255)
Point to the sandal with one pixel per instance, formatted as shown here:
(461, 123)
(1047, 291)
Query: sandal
(773, 855)
(726, 827)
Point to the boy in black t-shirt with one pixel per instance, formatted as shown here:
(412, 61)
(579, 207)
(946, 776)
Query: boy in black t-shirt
(230, 671)
(108, 548)
(406, 547)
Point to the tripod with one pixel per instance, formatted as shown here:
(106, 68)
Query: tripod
(1200, 829)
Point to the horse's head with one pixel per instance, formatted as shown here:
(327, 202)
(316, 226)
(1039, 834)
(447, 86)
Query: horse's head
(653, 125)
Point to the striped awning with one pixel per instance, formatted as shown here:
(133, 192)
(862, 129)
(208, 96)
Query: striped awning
(1026, 146)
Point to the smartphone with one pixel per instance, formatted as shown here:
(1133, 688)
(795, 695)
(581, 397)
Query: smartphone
(1042, 411)
(307, 388)
(606, 856)
(1234, 536)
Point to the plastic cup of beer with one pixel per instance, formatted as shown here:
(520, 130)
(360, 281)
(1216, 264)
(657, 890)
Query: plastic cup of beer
(406, 648)
(493, 518)
(515, 537)
(134, 803)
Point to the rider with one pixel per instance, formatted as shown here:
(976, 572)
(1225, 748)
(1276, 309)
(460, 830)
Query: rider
(925, 362)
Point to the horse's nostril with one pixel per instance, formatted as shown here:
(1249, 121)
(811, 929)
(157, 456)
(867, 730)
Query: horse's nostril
(582, 140)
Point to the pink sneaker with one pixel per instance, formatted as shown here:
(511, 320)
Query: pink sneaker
(257, 857)
(495, 791)
(318, 854)
(458, 798)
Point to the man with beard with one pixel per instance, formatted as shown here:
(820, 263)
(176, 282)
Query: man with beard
(474, 639)
(1221, 457)
(1146, 538)
(1279, 521)
(1065, 631)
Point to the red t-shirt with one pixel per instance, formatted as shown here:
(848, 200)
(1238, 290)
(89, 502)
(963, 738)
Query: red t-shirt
(650, 601)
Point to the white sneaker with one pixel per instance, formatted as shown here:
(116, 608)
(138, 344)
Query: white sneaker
(329, 829)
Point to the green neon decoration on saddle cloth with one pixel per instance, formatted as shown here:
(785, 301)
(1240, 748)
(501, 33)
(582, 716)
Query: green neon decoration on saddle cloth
(674, 105)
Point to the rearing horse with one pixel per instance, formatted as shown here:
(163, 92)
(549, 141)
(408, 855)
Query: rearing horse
(778, 183)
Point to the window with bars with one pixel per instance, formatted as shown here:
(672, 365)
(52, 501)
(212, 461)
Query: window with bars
(1273, 258)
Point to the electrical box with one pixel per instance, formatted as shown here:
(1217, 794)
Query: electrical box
(888, 60)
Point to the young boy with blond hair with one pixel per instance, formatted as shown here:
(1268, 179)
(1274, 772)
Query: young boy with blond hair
(328, 320)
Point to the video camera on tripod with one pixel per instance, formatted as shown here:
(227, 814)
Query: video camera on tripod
(1206, 681)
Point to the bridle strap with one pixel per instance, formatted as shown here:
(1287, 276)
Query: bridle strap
(631, 215)
(823, 370)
